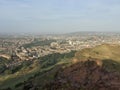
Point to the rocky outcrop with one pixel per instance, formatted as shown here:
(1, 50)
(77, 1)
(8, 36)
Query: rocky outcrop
(88, 75)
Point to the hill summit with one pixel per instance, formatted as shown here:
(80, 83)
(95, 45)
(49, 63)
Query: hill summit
(88, 75)
(96, 68)
(102, 52)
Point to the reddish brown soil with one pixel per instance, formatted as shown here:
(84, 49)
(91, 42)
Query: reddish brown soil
(86, 75)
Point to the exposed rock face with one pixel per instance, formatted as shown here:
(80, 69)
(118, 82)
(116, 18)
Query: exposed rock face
(88, 75)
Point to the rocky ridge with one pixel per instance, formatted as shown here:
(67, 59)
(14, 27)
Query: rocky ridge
(85, 75)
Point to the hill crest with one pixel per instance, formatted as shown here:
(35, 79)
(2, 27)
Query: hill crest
(102, 52)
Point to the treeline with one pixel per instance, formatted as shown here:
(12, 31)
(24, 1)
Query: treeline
(38, 43)
(52, 59)
(13, 69)
(3, 61)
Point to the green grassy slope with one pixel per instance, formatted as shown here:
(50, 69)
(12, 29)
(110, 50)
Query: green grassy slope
(102, 52)
(36, 70)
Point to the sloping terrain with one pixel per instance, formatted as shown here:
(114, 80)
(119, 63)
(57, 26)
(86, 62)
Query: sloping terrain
(96, 68)
(86, 75)
(101, 52)
(39, 70)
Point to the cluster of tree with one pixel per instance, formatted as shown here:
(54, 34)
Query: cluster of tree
(2, 68)
(13, 69)
(111, 65)
(38, 43)
(52, 59)
(3, 61)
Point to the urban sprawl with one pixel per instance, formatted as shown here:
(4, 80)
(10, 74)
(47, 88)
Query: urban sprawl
(19, 48)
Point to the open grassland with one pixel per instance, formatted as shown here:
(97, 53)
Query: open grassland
(101, 52)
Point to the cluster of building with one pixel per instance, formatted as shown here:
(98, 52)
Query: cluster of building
(13, 48)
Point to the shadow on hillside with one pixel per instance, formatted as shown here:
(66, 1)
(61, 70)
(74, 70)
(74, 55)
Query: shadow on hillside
(111, 65)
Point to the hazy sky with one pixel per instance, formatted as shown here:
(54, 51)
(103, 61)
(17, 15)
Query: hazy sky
(59, 15)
